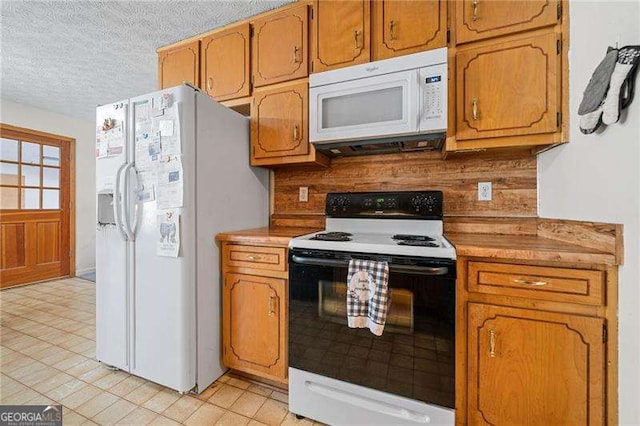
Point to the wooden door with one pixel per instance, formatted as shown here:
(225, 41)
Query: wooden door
(534, 368)
(401, 27)
(508, 89)
(36, 229)
(480, 19)
(179, 64)
(225, 63)
(280, 46)
(254, 321)
(340, 33)
(279, 121)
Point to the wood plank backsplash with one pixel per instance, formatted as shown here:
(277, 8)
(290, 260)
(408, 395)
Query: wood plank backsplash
(513, 176)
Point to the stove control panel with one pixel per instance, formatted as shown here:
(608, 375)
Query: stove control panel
(389, 205)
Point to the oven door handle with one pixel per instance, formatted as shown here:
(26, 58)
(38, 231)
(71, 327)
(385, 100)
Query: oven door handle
(417, 270)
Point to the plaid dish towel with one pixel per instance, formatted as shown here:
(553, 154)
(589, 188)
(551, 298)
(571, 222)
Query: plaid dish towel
(368, 295)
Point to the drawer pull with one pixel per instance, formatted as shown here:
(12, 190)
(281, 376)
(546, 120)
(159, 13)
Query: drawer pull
(272, 305)
(210, 84)
(254, 258)
(296, 133)
(492, 343)
(356, 35)
(476, 6)
(530, 282)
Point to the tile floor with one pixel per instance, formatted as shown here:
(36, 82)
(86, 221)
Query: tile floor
(47, 355)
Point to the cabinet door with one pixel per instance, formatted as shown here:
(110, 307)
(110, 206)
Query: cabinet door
(508, 89)
(401, 27)
(280, 47)
(479, 19)
(179, 64)
(340, 33)
(225, 63)
(279, 122)
(530, 367)
(255, 329)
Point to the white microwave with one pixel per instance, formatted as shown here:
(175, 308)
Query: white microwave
(390, 105)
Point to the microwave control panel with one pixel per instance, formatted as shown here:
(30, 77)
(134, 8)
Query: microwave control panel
(433, 97)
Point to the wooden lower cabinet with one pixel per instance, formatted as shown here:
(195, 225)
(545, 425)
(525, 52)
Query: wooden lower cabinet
(536, 344)
(254, 313)
(530, 367)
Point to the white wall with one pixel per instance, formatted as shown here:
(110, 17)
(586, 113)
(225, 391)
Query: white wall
(84, 133)
(597, 177)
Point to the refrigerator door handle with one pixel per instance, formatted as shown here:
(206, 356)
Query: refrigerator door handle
(117, 207)
(126, 224)
(136, 192)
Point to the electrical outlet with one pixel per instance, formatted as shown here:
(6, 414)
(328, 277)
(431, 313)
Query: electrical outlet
(484, 191)
(303, 194)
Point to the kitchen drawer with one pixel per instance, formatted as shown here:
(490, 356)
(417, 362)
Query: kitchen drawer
(268, 258)
(537, 282)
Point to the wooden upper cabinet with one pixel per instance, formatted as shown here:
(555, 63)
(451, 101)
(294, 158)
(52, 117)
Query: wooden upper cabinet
(530, 367)
(179, 64)
(225, 63)
(279, 122)
(254, 318)
(280, 46)
(402, 27)
(480, 19)
(508, 89)
(340, 33)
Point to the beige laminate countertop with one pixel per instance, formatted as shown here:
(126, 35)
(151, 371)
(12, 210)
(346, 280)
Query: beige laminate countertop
(265, 236)
(521, 247)
(517, 247)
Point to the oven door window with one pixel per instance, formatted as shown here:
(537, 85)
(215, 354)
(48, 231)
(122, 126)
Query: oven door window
(414, 357)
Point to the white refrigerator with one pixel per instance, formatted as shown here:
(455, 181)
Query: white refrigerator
(172, 171)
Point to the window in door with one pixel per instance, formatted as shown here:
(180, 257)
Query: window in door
(29, 175)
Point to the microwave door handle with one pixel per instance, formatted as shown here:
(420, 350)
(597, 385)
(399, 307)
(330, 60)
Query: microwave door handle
(411, 269)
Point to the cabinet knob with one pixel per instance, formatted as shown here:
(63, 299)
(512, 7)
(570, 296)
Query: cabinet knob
(356, 35)
(476, 8)
(474, 108)
(392, 28)
(209, 84)
(492, 343)
(296, 49)
(296, 132)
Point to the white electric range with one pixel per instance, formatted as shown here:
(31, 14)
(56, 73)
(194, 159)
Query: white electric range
(340, 375)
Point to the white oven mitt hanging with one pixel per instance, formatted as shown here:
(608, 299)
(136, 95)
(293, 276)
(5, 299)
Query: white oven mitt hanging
(590, 110)
(628, 58)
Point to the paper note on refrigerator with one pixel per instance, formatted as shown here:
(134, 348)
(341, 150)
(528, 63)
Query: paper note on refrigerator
(168, 225)
(170, 182)
(168, 127)
(147, 186)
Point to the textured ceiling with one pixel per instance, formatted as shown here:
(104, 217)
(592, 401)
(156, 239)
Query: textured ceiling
(69, 56)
